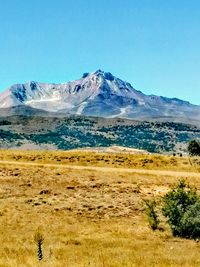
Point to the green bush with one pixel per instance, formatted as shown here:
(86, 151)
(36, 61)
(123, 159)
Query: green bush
(191, 222)
(152, 214)
(178, 205)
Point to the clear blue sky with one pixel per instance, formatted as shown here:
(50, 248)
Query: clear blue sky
(154, 44)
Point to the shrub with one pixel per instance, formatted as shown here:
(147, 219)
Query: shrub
(190, 222)
(177, 203)
(152, 214)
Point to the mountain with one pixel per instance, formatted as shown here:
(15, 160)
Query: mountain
(97, 94)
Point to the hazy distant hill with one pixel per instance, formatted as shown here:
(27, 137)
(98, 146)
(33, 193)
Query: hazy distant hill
(97, 94)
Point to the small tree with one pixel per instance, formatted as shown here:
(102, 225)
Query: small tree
(176, 203)
(194, 148)
(152, 214)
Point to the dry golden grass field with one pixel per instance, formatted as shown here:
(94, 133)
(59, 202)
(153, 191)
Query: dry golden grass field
(89, 208)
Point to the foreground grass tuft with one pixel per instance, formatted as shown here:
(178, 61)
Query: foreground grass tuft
(38, 238)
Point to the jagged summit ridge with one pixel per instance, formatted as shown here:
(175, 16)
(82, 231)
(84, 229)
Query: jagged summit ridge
(96, 94)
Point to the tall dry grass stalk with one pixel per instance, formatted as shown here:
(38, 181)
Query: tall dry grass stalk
(39, 239)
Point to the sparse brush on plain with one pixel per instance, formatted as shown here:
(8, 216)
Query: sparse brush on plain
(100, 159)
(152, 214)
(83, 224)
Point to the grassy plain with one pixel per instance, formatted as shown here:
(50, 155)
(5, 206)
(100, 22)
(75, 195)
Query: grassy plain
(89, 217)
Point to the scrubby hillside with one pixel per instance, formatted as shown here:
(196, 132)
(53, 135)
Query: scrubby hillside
(78, 132)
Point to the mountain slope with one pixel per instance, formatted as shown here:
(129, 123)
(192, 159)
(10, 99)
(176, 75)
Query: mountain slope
(97, 94)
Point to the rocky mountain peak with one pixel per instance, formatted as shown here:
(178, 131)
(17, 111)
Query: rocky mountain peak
(96, 94)
(106, 75)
